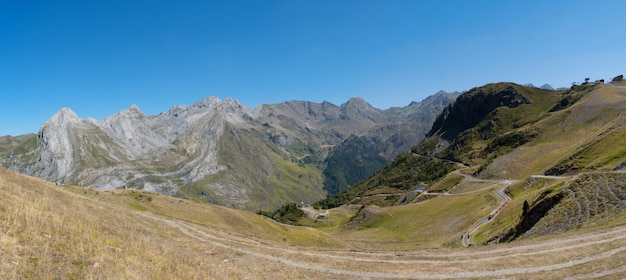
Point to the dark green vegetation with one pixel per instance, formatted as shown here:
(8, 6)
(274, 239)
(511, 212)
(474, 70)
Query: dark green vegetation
(351, 161)
(405, 173)
(287, 214)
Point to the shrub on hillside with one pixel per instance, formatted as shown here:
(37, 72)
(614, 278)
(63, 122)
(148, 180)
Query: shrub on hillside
(287, 214)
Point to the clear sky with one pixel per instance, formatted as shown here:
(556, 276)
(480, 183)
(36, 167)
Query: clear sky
(98, 57)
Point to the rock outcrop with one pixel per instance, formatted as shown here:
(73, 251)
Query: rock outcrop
(473, 106)
(618, 78)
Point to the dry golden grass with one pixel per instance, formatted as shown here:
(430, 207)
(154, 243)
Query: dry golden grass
(50, 232)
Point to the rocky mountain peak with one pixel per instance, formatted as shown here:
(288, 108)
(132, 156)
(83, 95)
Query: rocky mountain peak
(65, 115)
(132, 112)
(358, 107)
(135, 109)
(208, 102)
(357, 101)
(440, 98)
(125, 119)
(231, 105)
(228, 107)
(176, 111)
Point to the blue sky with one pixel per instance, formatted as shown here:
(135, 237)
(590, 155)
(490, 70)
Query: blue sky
(99, 57)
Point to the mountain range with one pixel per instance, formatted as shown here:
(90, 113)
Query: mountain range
(222, 152)
(540, 171)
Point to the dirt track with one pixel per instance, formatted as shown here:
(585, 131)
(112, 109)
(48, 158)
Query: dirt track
(568, 256)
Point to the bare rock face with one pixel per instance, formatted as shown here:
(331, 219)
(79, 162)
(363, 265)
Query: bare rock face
(55, 143)
(132, 129)
(129, 145)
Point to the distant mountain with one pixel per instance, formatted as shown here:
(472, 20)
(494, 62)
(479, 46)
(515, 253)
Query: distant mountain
(546, 86)
(220, 151)
(360, 155)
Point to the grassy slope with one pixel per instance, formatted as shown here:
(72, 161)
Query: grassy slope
(52, 232)
(588, 135)
(472, 146)
(526, 190)
(595, 124)
(83, 233)
(586, 203)
(268, 178)
(431, 223)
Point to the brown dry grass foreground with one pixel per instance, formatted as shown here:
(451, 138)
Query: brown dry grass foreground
(52, 232)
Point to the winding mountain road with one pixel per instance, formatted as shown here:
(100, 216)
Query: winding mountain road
(504, 199)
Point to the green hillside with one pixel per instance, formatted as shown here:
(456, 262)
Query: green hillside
(504, 136)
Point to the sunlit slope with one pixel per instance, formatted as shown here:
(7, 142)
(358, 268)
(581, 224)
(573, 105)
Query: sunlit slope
(501, 137)
(588, 135)
(511, 131)
(433, 223)
(51, 232)
(549, 205)
(489, 121)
